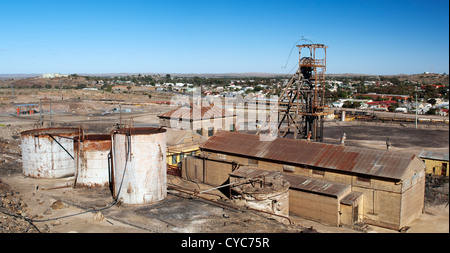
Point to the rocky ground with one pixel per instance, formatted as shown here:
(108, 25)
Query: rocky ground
(13, 213)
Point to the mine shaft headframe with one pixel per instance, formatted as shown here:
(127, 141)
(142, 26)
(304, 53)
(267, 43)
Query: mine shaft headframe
(311, 67)
(301, 108)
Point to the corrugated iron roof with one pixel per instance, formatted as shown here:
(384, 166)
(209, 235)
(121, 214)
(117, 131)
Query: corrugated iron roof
(434, 155)
(203, 112)
(179, 136)
(380, 163)
(302, 183)
(350, 198)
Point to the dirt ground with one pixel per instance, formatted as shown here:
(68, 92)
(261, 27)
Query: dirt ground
(53, 206)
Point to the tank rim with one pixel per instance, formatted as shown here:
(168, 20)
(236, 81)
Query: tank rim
(46, 131)
(139, 131)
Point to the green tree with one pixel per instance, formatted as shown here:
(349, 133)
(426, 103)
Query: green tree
(392, 107)
(432, 101)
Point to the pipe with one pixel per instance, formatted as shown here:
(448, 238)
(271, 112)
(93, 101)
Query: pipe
(249, 180)
(195, 195)
(279, 215)
(61, 146)
(58, 187)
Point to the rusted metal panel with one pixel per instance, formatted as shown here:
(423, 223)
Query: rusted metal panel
(139, 162)
(381, 163)
(351, 198)
(91, 156)
(48, 152)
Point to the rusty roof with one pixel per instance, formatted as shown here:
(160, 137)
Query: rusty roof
(197, 112)
(351, 198)
(302, 183)
(365, 161)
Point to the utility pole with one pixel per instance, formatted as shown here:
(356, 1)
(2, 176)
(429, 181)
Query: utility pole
(60, 88)
(416, 107)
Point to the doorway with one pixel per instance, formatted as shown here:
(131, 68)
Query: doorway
(355, 214)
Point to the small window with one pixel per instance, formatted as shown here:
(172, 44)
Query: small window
(199, 131)
(363, 179)
(318, 172)
(210, 131)
(232, 129)
(252, 162)
(289, 168)
(174, 159)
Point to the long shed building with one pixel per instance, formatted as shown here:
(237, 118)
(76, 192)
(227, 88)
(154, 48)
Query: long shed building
(332, 184)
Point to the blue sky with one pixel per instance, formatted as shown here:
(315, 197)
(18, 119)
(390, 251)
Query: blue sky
(366, 37)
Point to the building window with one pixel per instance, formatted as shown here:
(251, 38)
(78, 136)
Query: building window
(363, 180)
(252, 162)
(289, 168)
(210, 131)
(444, 169)
(199, 131)
(318, 172)
(232, 129)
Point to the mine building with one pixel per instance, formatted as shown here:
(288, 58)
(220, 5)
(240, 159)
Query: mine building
(436, 162)
(204, 120)
(331, 184)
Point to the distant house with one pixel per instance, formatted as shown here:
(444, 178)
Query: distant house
(381, 104)
(384, 96)
(401, 109)
(442, 112)
(181, 143)
(204, 120)
(436, 162)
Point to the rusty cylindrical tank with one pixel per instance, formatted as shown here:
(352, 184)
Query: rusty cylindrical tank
(269, 195)
(91, 160)
(48, 152)
(139, 165)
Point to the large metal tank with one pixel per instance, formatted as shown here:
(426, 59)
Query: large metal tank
(139, 165)
(48, 152)
(91, 159)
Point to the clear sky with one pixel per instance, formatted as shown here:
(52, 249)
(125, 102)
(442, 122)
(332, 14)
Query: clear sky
(228, 36)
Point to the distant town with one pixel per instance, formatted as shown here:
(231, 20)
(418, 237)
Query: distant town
(426, 92)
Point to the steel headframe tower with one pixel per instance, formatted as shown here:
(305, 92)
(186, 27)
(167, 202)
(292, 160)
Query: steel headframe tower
(301, 105)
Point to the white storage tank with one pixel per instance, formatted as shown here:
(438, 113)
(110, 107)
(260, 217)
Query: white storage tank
(139, 165)
(48, 152)
(91, 159)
